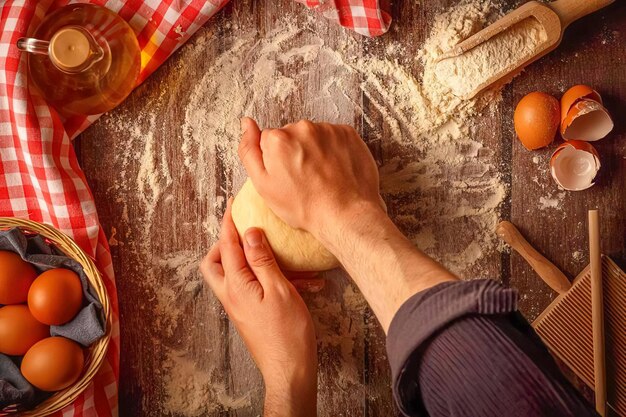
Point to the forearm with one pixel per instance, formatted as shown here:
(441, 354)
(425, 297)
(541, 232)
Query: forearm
(385, 265)
(291, 400)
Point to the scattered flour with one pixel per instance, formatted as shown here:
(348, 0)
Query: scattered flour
(152, 181)
(437, 176)
(339, 329)
(578, 256)
(171, 281)
(193, 392)
(184, 266)
(552, 201)
(457, 185)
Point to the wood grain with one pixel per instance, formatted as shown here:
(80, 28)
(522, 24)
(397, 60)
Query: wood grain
(155, 337)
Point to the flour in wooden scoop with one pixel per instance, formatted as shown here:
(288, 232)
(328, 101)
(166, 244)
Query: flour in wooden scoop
(499, 55)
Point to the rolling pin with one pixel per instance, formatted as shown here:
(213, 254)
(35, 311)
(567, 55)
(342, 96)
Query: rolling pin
(546, 270)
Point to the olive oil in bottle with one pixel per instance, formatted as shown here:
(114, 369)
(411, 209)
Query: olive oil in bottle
(84, 59)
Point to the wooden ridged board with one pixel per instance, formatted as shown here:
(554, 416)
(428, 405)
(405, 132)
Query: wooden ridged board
(565, 327)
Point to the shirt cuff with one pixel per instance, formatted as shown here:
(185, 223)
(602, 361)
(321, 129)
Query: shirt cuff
(431, 310)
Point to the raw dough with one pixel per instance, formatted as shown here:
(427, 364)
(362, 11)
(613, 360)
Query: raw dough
(295, 249)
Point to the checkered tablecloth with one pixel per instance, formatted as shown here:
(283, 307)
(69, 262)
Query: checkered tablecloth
(40, 178)
(367, 17)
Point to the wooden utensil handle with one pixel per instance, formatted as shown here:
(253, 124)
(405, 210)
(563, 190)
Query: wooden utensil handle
(548, 272)
(572, 10)
(597, 313)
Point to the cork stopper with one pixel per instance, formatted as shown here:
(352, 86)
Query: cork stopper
(70, 48)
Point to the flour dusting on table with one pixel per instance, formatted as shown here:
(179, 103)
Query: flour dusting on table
(452, 183)
(190, 391)
(437, 178)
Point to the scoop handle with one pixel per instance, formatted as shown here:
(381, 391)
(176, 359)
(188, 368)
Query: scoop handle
(572, 10)
(548, 272)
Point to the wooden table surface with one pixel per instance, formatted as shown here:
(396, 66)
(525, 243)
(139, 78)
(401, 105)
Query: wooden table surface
(180, 354)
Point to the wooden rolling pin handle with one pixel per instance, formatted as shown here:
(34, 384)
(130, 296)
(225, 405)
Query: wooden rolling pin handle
(572, 10)
(549, 273)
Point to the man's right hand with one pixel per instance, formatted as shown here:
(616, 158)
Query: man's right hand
(323, 179)
(310, 174)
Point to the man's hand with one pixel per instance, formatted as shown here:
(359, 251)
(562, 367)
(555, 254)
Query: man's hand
(323, 179)
(308, 173)
(269, 315)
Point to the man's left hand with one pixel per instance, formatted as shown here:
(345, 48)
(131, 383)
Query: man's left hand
(270, 316)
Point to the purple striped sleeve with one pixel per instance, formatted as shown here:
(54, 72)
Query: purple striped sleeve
(462, 349)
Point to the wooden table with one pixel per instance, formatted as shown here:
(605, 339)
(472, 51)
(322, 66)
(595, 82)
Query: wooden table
(180, 354)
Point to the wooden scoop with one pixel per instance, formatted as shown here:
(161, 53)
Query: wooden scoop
(543, 267)
(555, 17)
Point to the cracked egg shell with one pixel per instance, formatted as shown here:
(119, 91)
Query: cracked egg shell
(587, 120)
(574, 165)
(575, 94)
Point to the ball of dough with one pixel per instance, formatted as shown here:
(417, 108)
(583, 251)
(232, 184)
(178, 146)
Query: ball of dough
(295, 249)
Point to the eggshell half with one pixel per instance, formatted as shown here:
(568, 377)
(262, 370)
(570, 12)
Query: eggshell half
(587, 120)
(575, 94)
(574, 165)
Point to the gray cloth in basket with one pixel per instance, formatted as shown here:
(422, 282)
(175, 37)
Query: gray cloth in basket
(87, 327)
(14, 389)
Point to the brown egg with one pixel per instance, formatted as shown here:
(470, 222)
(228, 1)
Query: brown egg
(537, 118)
(16, 276)
(53, 364)
(56, 296)
(19, 330)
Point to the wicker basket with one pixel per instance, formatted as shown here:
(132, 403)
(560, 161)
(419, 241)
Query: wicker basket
(97, 351)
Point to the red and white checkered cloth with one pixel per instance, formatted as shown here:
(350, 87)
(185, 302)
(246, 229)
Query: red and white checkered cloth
(40, 178)
(367, 17)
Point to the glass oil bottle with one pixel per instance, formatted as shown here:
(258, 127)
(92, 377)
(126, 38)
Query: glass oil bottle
(84, 59)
